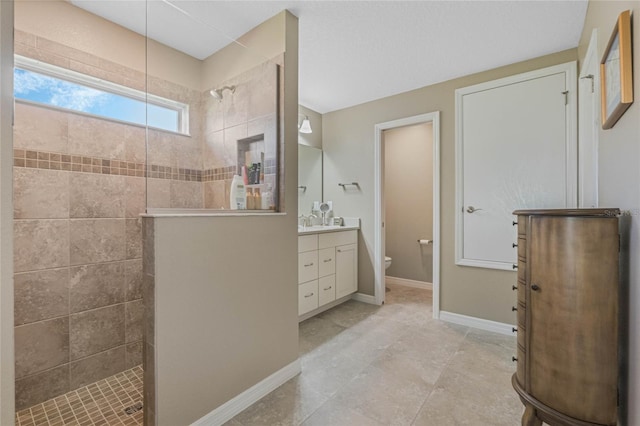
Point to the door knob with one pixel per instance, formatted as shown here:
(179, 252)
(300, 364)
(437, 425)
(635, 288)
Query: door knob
(472, 209)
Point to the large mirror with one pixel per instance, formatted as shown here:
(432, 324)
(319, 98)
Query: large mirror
(309, 177)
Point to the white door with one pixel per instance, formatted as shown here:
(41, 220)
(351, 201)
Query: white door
(589, 125)
(515, 150)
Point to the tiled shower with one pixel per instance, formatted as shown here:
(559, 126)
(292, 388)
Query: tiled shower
(80, 185)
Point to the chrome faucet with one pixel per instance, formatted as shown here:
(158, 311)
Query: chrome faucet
(306, 220)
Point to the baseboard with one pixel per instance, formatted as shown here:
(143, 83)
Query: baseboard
(366, 298)
(236, 405)
(323, 308)
(408, 283)
(482, 324)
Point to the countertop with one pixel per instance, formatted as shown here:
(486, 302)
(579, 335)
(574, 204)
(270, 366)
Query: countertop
(319, 229)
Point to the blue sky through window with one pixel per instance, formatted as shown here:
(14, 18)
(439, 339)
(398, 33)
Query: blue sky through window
(35, 87)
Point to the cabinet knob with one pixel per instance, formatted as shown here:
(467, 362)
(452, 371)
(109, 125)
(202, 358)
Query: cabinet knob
(513, 309)
(535, 287)
(514, 266)
(514, 359)
(514, 288)
(514, 245)
(514, 329)
(514, 223)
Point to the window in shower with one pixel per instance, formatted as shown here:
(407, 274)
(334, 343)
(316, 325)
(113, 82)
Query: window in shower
(42, 83)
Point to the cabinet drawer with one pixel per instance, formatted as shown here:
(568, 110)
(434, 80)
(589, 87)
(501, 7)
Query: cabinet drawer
(522, 365)
(339, 238)
(522, 268)
(307, 266)
(307, 297)
(522, 225)
(326, 262)
(522, 292)
(522, 249)
(307, 243)
(326, 290)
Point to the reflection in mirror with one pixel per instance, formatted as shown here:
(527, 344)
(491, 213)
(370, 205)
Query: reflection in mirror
(309, 178)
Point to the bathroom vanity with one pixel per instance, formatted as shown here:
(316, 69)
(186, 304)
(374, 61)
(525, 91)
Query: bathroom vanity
(327, 267)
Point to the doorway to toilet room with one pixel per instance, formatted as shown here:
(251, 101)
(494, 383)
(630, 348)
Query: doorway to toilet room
(407, 205)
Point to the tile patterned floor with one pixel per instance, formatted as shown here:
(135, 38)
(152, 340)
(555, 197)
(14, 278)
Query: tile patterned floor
(100, 403)
(364, 365)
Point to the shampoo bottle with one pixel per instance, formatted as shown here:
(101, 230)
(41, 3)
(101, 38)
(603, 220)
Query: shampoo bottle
(238, 194)
(250, 200)
(257, 198)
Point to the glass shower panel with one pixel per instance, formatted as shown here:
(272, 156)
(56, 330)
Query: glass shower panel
(231, 95)
(79, 153)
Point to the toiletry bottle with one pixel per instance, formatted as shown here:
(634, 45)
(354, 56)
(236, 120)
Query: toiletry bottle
(238, 194)
(267, 199)
(257, 198)
(250, 200)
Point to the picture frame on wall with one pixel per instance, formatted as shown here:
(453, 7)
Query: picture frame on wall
(616, 74)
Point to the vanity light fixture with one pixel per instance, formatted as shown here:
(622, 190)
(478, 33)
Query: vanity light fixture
(305, 126)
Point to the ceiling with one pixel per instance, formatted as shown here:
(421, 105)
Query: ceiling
(352, 52)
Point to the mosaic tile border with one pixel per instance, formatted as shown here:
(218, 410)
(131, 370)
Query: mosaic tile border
(100, 403)
(84, 164)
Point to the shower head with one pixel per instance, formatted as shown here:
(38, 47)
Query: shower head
(217, 93)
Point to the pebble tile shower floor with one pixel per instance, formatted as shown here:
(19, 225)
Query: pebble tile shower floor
(116, 400)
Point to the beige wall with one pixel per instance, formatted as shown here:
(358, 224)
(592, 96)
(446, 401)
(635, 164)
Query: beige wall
(83, 31)
(313, 139)
(7, 394)
(253, 48)
(408, 197)
(348, 156)
(226, 287)
(619, 174)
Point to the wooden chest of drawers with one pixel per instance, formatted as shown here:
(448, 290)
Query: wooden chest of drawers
(567, 309)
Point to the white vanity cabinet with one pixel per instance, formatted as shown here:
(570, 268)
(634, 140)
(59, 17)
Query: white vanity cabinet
(327, 268)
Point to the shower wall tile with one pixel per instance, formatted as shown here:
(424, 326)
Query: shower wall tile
(134, 313)
(40, 346)
(97, 240)
(40, 129)
(95, 137)
(135, 196)
(40, 194)
(40, 244)
(231, 137)
(41, 295)
(262, 92)
(216, 153)
(135, 139)
(158, 193)
(133, 355)
(96, 367)
(95, 286)
(161, 148)
(216, 194)
(96, 195)
(148, 241)
(236, 106)
(40, 387)
(96, 331)
(214, 114)
(133, 279)
(41, 55)
(22, 37)
(134, 238)
(186, 195)
(66, 51)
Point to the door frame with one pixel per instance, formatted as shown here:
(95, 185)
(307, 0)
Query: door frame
(569, 69)
(589, 121)
(379, 237)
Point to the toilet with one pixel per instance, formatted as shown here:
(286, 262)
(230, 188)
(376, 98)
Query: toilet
(387, 262)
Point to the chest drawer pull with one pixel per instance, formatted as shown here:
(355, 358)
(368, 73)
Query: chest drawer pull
(514, 359)
(514, 245)
(514, 288)
(515, 330)
(535, 287)
(513, 309)
(514, 266)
